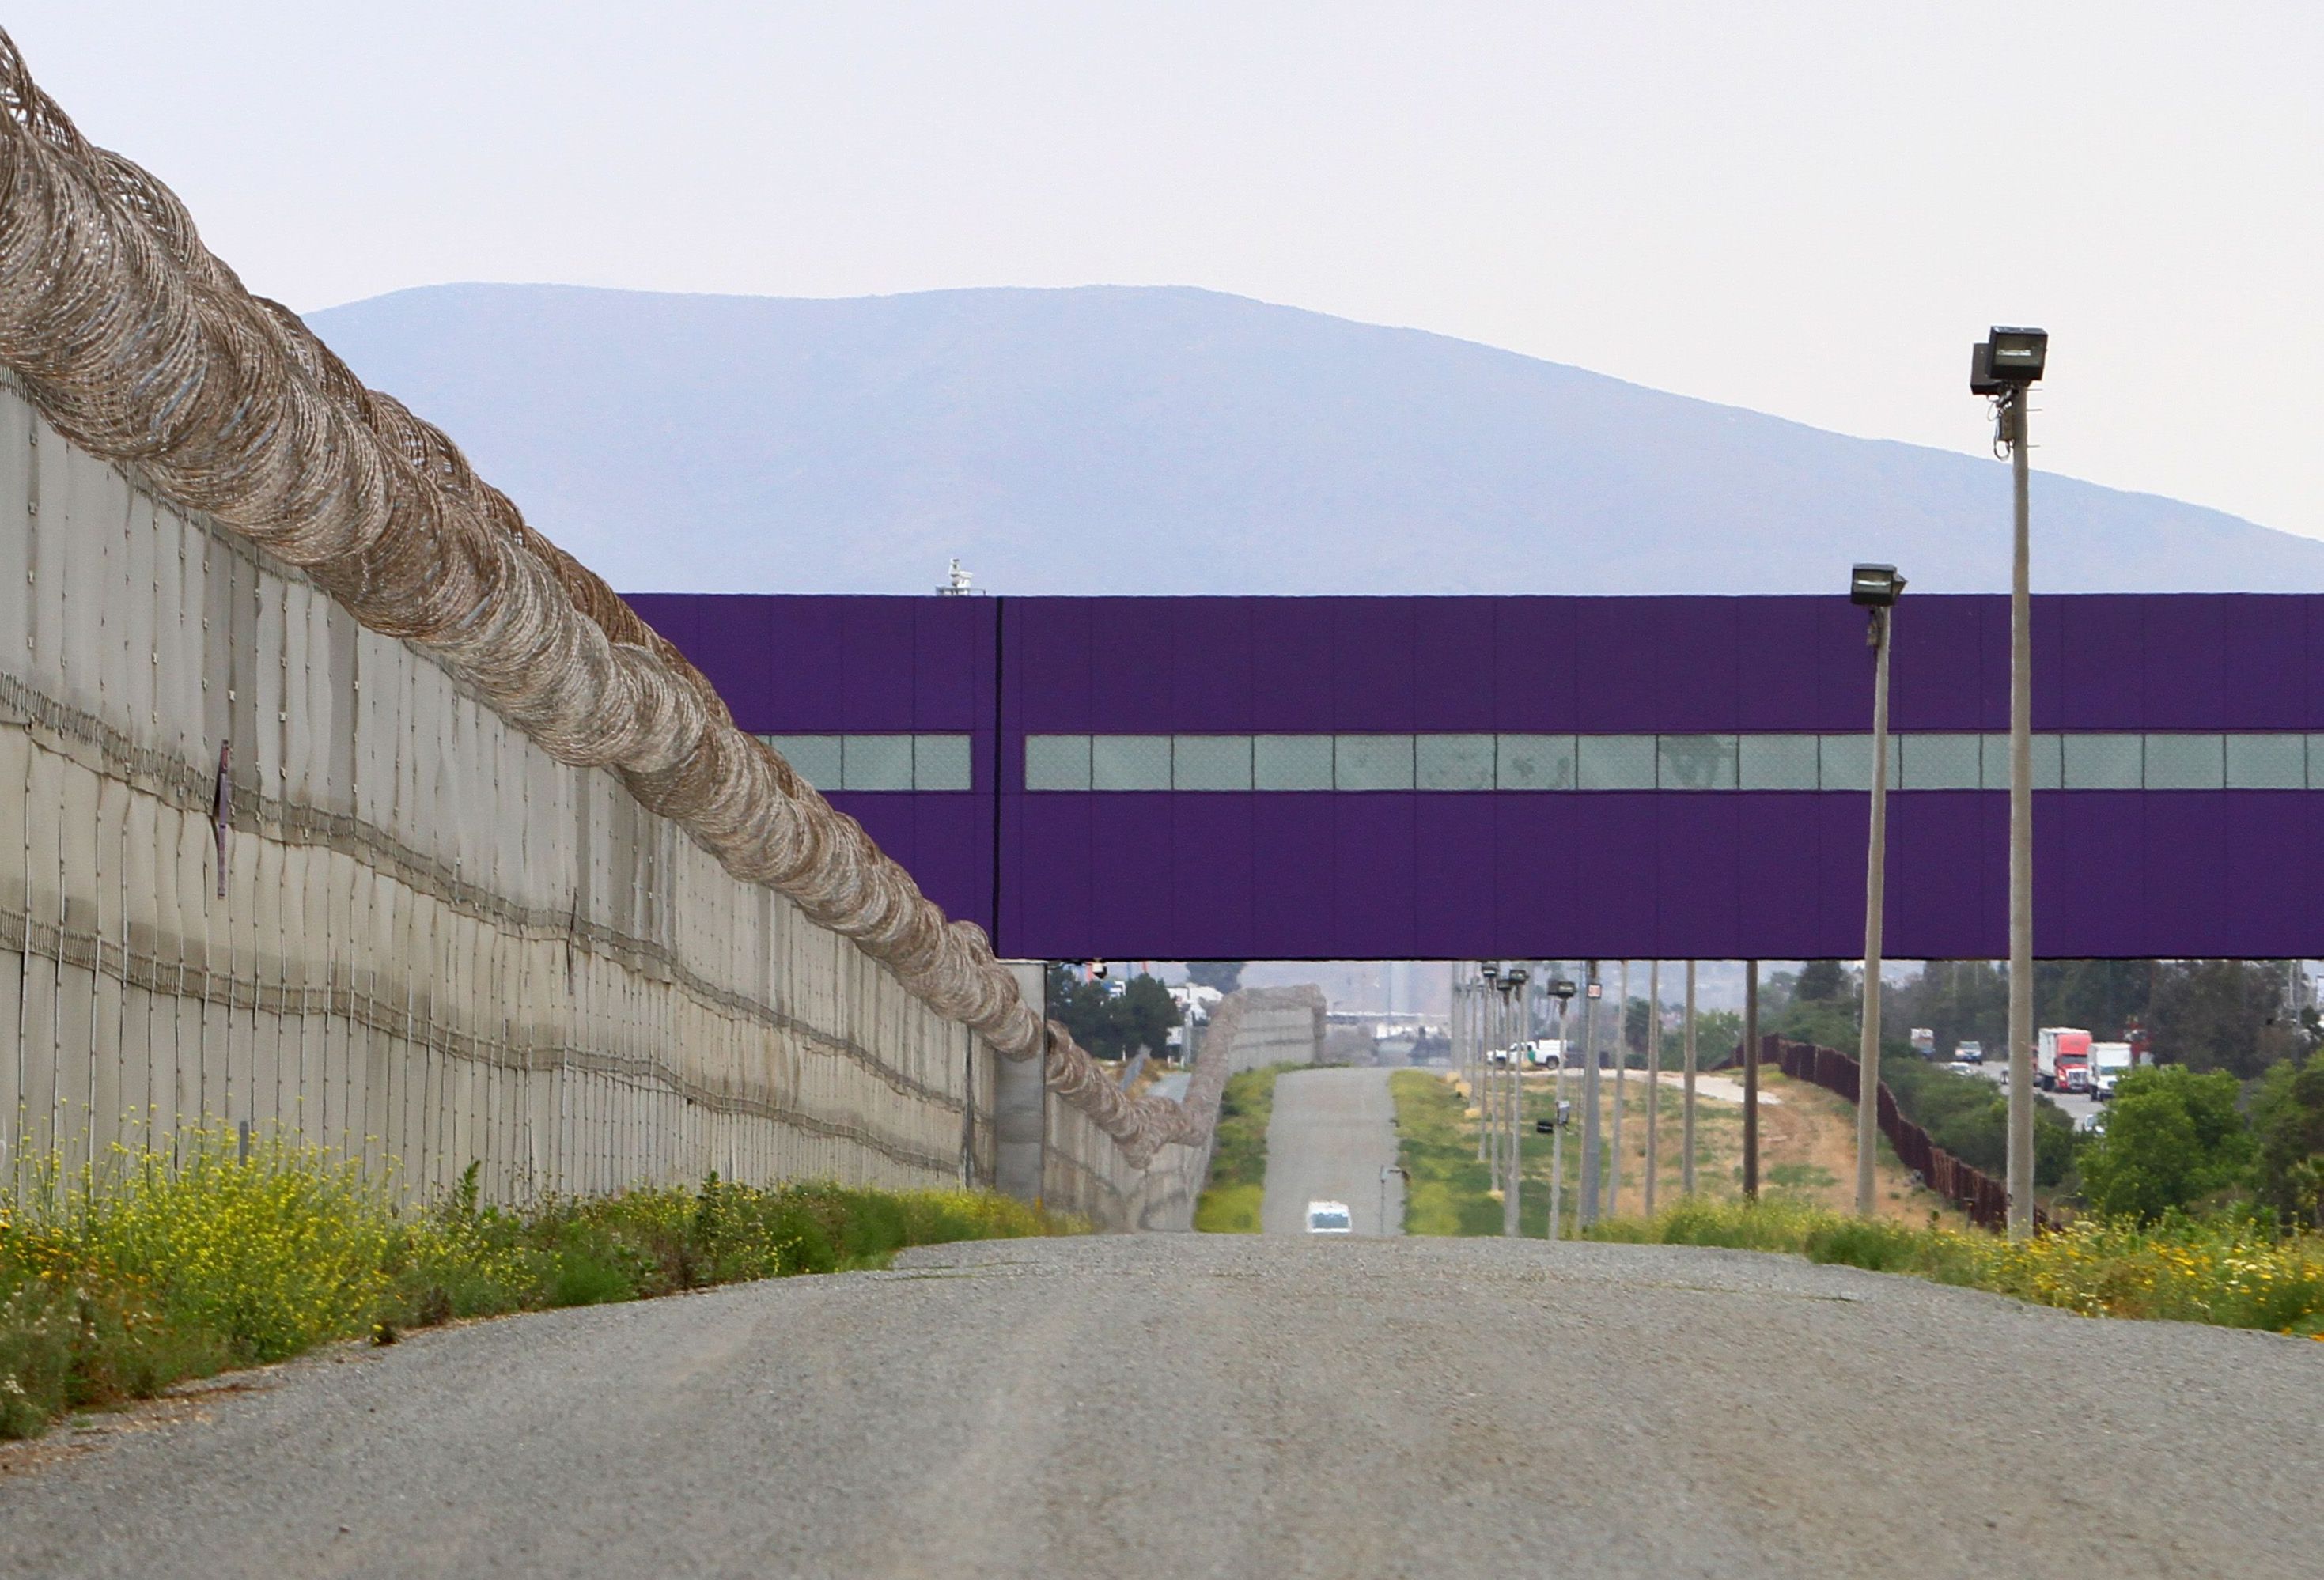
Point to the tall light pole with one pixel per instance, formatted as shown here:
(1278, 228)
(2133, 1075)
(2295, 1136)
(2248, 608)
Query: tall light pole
(1621, 1075)
(1562, 989)
(1874, 588)
(1751, 1079)
(1513, 985)
(1488, 1142)
(1686, 1103)
(1590, 1088)
(1653, 1071)
(2004, 366)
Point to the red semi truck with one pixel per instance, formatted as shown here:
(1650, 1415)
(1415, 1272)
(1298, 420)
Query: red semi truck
(2061, 1059)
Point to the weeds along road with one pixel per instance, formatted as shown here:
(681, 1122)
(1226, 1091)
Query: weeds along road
(1328, 1137)
(1236, 1406)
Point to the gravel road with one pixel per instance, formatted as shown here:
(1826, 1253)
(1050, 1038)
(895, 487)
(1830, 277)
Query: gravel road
(1235, 1406)
(1332, 1132)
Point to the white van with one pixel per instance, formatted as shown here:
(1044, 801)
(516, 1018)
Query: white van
(1330, 1218)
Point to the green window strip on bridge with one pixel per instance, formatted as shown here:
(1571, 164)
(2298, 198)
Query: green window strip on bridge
(878, 761)
(2175, 760)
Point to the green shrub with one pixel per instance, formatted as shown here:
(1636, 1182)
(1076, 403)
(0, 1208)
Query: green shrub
(160, 1266)
(1231, 1198)
(2222, 1269)
(1447, 1191)
(2172, 1138)
(2288, 1123)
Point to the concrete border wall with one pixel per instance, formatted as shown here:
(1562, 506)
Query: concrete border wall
(1050, 1152)
(433, 944)
(1274, 1025)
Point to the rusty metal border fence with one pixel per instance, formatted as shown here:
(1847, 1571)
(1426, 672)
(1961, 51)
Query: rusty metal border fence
(1984, 1198)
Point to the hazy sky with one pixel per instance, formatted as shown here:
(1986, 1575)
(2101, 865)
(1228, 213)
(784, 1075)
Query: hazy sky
(1807, 209)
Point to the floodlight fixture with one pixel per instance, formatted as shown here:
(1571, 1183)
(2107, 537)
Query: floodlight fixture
(1874, 586)
(1516, 976)
(2018, 354)
(1490, 970)
(1981, 380)
(1562, 989)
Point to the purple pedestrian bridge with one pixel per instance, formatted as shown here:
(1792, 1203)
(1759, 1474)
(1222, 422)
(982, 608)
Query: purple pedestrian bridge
(1407, 779)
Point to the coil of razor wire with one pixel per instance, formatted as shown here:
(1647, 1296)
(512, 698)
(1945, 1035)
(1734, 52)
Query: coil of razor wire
(138, 344)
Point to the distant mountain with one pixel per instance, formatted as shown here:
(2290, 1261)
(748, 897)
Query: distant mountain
(1149, 440)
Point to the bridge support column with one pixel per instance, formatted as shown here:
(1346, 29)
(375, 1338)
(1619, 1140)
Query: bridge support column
(1021, 1105)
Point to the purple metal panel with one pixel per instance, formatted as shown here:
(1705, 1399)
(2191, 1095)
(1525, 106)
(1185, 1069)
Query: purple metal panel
(2186, 671)
(2313, 622)
(1993, 665)
(675, 616)
(1937, 905)
(807, 666)
(2268, 678)
(952, 834)
(1614, 871)
(1047, 678)
(1614, 667)
(1777, 663)
(1533, 665)
(1698, 877)
(1210, 669)
(1535, 904)
(1455, 677)
(1936, 665)
(2121, 873)
(2266, 872)
(1129, 874)
(1459, 866)
(1212, 883)
(1843, 833)
(1777, 878)
(1294, 904)
(2103, 665)
(2187, 840)
(1692, 642)
(1048, 878)
(1130, 654)
(2091, 876)
(952, 664)
(2051, 700)
(1374, 881)
(876, 687)
(1843, 668)
(1291, 659)
(1373, 670)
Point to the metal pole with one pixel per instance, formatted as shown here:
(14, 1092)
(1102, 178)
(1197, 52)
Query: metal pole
(1876, 889)
(1590, 1093)
(1686, 1107)
(1557, 1126)
(2021, 840)
(1751, 1079)
(1621, 1073)
(1509, 1228)
(1653, 1071)
(1488, 1086)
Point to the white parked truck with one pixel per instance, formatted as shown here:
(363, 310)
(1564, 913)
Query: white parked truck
(2109, 1062)
(2061, 1059)
(1545, 1053)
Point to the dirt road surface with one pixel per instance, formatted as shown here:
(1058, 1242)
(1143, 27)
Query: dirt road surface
(1232, 1406)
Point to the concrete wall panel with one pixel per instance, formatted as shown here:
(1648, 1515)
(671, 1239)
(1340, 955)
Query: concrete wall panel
(437, 946)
